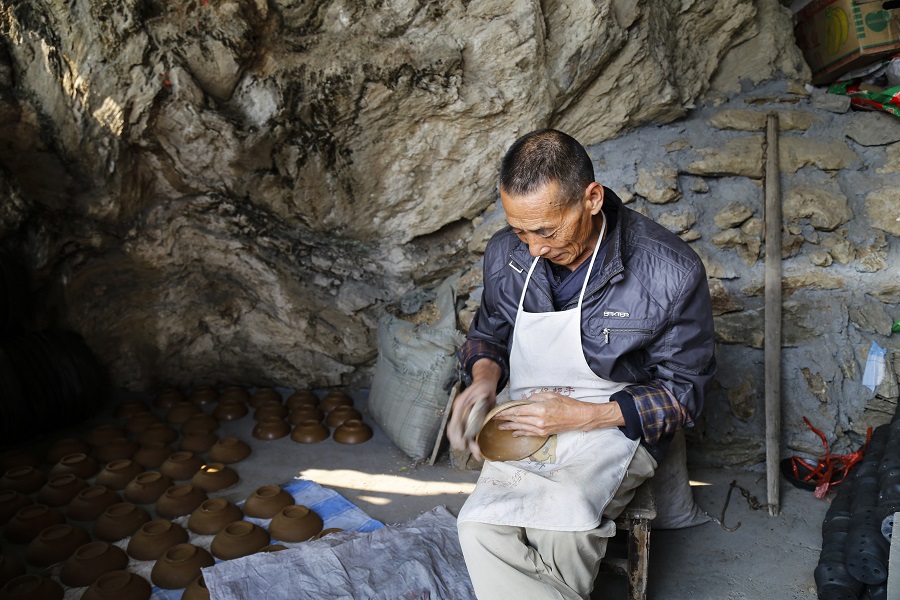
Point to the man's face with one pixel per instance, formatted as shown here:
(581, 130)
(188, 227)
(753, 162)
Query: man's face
(553, 227)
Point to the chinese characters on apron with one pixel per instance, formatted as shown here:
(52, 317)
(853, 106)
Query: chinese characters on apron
(566, 485)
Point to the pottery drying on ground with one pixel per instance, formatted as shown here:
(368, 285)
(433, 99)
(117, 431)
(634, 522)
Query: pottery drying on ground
(180, 565)
(131, 408)
(213, 515)
(353, 431)
(115, 449)
(60, 490)
(31, 587)
(340, 415)
(198, 443)
(90, 503)
(90, 561)
(237, 539)
(334, 399)
(181, 466)
(157, 432)
(296, 523)
(271, 428)
(234, 393)
(78, 464)
(147, 487)
(30, 521)
(230, 410)
(118, 585)
(328, 531)
(10, 568)
(302, 398)
(181, 412)
(310, 431)
(200, 423)
(64, 447)
(151, 455)
(204, 395)
(17, 458)
(102, 434)
(196, 590)
(23, 479)
(263, 394)
(229, 450)
(270, 408)
(137, 424)
(179, 500)
(55, 544)
(499, 444)
(214, 477)
(168, 398)
(267, 501)
(120, 521)
(11, 502)
(153, 538)
(119, 473)
(306, 413)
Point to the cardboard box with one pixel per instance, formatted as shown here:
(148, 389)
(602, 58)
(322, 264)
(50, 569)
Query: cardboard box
(837, 36)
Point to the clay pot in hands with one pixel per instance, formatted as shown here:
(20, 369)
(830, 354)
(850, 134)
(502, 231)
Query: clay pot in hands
(158, 432)
(237, 539)
(204, 395)
(10, 568)
(17, 458)
(115, 449)
(168, 398)
(353, 431)
(131, 408)
(181, 412)
(119, 473)
(267, 501)
(11, 502)
(302, 398)
(271, 428)
(310, 431)
(154, 538)
(334, 399)
(230, 410)
(90, 561)
(64, 447)
(198, 424)
(196, 590)
(263, 394)
(120, 521)
(55, 544)
(181, 466)
(295, 523)
(30, 521)
(118, 585)
(102, 434)
(179, 500)
(147, 487)
(340, 415)
(214, 477)
(234, 393)
(306, 413)
(60, 490)
(198, 443)
(31, 587)
(91, 502)
(23, 479)
(499, 444)
(152, 454)
(79, 464)
(180, 565)
(213, 515)
(139, 423)
(229, 450)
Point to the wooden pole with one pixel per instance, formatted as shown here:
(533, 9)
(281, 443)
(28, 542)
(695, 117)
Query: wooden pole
(772, 234)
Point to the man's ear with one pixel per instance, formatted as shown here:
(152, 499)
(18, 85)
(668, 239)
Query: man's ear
(593, 198)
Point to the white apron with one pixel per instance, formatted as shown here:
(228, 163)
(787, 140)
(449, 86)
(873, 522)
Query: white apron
(566, 485)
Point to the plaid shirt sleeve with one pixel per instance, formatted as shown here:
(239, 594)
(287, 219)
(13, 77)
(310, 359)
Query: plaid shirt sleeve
(651, 412)
(474, 349)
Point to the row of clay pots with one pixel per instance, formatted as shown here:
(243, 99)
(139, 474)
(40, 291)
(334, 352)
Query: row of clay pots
(310, 431)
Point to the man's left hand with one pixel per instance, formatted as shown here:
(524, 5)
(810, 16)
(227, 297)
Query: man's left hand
(551, 413)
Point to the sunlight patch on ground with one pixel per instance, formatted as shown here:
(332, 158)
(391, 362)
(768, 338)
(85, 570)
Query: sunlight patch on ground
(386, 484)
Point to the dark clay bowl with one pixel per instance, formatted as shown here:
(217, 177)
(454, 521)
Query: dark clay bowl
(119, 473)
(230, 410)
(213, 515)
(60, 490)
(234, 393)
(23, 479)
(263, 394)
(271, 428)
(151, 455)
(200, 423)
(147, 487)
(295, 523)
(334, 399)
(11, 502)
(306, 413)
(17, 458)
(198, 443)
(118, 585)
(204, 395)
(328, 531)
(229, 450)
(79, 464)
(168, 398)
(180, 565)
(130, 408)
(499, 444)
(267, 501)
(102, 434)
(181, 412)
(157, 432)
(90, 561)
(55, 544)
(302, 398)
(181, 466)
(237, 539)
(340, 415)
(270, 408)
(115, 449)
(272, 548)
(179, 500)
(214, 477)
(30, 521)
(31, 587)
(138, 424)
(310, 431)
(90, 503)
(10, 568)
(353, 431)
(64, 447)
(154, 538)
(196, 590)
(120, 521)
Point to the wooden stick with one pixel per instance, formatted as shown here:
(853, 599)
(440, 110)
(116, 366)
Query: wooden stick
(772, 235)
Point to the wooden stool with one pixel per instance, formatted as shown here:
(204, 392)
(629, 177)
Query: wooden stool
(635, 519)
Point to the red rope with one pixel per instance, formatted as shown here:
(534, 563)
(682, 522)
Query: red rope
(830, 469)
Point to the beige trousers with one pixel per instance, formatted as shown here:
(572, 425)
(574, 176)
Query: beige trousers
(535, 564)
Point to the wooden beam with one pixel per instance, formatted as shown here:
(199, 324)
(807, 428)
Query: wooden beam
(772, 234)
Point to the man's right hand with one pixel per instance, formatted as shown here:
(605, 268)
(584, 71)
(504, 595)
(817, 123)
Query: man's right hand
(485, 376)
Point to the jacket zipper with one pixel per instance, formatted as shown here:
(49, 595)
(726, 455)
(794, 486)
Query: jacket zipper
(606, 331)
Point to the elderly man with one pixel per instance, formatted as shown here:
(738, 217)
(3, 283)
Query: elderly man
(601, 318)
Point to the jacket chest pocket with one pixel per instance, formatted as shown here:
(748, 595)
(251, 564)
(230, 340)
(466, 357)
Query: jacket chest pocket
(622, 331)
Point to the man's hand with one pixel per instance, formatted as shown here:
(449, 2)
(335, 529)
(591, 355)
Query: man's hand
(485, 375)
(552, 413)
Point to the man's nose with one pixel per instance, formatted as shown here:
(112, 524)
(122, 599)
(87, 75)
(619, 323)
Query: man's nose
(537, 247)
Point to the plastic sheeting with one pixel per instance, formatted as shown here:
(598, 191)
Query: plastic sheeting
(417, 560)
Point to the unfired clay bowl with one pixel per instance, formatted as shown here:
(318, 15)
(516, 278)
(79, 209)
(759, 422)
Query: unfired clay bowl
(64, 447)
(147, 487)
(158, 432)
(353, 431)
(17, 458)
(200, 423)
(102, 434)
(230, 410)
(296, 523)
(131, 408)
(237, 539)
(302, 398)
(310, 431)
(55, 544)
(179, 500)
(263, 394)
(328, 531)
(180, 565)
(270, 408)
(198, 443)
(31, 587)
(181, 412)
(154, 538)
(30, 521)
(306, 413)
(229, 450)
(151, 455)
(90, 561)
(120, 521)
(23, 479)
(60, 490)
(214, 477)
(196, 590)
(139, 423)
(271, 428)
(204, 395)
(118, 585)
(342, 414)
(234, 393)
(11, 502)
(90, 503)
(119, 473)
(273, 548)
(181, 466)
(10, 568)
(78, 464)
(213, 515)
(267, 501)
(168, 398)
(115, 449)
(334, 399)
(499, 444)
